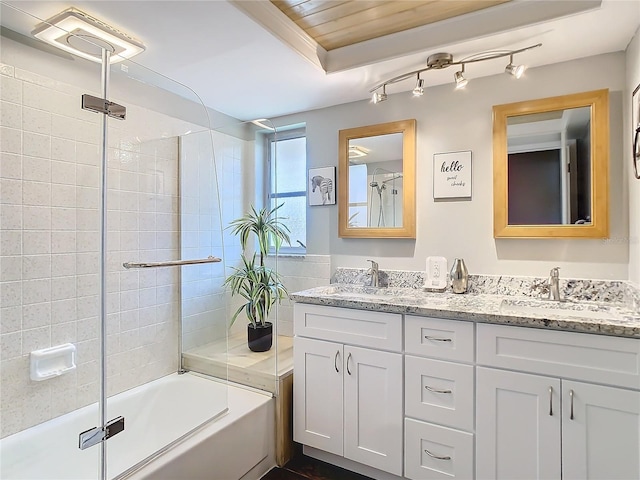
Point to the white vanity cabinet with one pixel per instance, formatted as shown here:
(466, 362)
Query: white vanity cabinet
(439, 394)
(347, 389)
(553, 404)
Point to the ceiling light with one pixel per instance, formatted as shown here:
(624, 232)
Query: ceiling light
(515, 70)
(356, 151)
(85, 36)
(441, 60)
(418, 91)
(461, 82)
(379, 96)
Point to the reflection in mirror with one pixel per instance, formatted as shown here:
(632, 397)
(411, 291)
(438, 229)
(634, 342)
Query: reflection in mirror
(376, 181)
(551, 167)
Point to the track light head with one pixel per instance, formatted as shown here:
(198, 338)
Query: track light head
(378, 97)
(461, 82)
(515, 70)
(418, 91)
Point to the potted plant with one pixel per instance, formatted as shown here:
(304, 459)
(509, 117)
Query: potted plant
(258, 284)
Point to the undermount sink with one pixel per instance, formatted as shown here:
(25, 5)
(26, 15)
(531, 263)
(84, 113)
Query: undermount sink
(541, 308)
(358, 291)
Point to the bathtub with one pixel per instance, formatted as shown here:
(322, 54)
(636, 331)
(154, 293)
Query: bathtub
(174, 410)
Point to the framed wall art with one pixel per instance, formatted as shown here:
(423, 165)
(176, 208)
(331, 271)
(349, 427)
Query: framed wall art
(321, 187)
(452, 175)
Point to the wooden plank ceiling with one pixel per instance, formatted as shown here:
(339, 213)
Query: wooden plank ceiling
(338, 23)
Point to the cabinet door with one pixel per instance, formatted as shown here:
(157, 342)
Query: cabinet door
(517, 426)
(373, 408)
(600, 432)
(318, 394)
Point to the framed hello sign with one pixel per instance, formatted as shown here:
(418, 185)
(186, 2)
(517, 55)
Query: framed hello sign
(452, 175)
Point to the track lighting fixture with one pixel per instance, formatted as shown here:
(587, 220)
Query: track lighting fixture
(438, 61)
(461, 82)
(515, 70)
(418, 91)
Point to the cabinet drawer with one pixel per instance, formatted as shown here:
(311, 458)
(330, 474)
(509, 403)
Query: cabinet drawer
(439, 338)
(431, 451)
(439, 392)
(580, 356)
(355, 327)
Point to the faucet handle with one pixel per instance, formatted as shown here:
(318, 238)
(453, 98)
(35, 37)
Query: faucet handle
(374, 265)
(555, 272)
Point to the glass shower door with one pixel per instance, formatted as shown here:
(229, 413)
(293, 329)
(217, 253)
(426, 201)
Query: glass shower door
(163, 208)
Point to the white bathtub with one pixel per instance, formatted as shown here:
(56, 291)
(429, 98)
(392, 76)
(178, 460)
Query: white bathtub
(156, 414)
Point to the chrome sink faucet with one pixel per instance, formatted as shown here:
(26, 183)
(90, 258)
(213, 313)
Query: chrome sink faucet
(554, 284)
(373, 271)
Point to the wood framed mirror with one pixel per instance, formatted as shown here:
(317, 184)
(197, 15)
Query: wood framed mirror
(551, 167)
(376, 181)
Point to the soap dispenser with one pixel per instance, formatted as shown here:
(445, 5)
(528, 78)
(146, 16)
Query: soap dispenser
(459, 276)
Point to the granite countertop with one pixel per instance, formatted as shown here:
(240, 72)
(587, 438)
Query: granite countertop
(576, 316)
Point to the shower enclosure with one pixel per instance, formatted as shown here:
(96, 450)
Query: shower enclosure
(112, 236)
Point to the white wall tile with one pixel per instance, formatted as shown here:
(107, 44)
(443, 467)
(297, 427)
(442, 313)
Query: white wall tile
(63, 288)
(36, 121)
(10, 294)
(64, 311)
(63, 242)
(10, 345)
(10, 166)
(36, 339)
(36, 169)
(10, 89)
(10, 268)
(63, 265)
(10, 140)
(63, 196)
(36, 315)
(10, 319)
(36, 145)
(11, 191)
(10, 115)
(36, 266)
(36, 193)
(36, 218)
(36, 291)
(63, 172)
(63, 127)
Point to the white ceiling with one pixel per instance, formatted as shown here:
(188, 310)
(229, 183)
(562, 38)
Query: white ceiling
(242, 69)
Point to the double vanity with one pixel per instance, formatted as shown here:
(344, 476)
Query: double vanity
(404, 383)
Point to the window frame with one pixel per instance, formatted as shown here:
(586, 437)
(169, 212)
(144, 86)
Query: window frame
(278, 136)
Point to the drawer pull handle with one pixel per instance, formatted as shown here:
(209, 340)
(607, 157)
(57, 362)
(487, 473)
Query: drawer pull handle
(437, 457)
(335, 361)
(437, 339)
(551, 401)
(571, 395)
(434, 390)
(348, 359)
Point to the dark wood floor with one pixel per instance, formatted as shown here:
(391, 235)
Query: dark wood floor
(302, 467)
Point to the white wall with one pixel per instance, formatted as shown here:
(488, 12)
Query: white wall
(633, 80)
(451, 121)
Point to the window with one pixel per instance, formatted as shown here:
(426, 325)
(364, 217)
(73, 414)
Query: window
(288, 185)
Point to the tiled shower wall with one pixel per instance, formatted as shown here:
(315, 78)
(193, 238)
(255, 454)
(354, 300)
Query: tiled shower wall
(49, 246)
(204, 301)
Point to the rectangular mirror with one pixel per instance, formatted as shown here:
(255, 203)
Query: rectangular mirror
(551, 167)
(376, 181)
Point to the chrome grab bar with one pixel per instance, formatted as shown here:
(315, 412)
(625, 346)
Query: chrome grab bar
(171, 263)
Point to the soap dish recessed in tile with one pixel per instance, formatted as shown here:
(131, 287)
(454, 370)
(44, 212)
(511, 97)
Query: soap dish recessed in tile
(52, 362)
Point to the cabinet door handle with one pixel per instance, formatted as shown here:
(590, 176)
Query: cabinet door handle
(348, 359)
(434, 390)
(551, 401)
(571, 413)
(437, 339)
(437, 457)
(335, 361)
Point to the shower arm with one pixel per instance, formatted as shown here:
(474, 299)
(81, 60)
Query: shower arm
(171, 263)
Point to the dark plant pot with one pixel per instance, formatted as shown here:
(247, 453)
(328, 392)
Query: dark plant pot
(260, 337)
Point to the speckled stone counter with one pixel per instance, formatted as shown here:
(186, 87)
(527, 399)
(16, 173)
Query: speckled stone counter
(606, 318)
